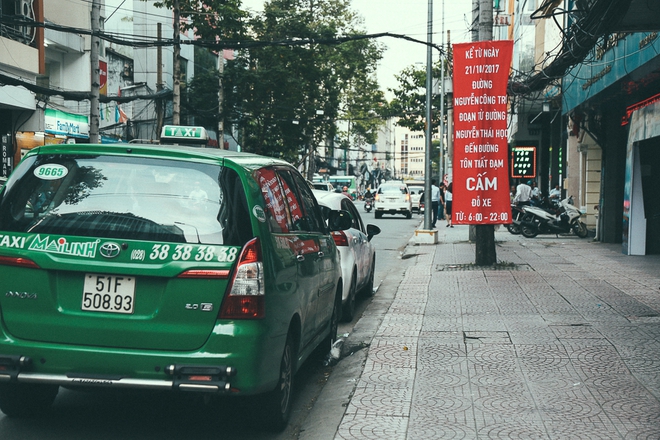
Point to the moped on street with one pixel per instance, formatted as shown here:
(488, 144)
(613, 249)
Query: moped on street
(517, 212)
(566, 219)
(368, 204)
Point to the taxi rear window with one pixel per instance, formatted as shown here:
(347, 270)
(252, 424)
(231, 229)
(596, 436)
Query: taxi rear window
(126, 198)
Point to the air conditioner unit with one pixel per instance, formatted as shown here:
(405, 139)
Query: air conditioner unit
(25, 9)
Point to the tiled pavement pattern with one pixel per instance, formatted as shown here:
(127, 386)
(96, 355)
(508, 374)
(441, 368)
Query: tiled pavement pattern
(562, 344)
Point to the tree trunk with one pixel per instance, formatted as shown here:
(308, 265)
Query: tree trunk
(485, 254)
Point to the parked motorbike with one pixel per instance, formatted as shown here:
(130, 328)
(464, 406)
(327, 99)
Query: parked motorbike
(517, 212)
(566, 219)
(368, 205)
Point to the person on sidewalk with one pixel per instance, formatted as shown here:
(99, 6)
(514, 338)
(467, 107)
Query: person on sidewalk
(523, 194)
(448, 199)
(435, 202)
(441, 206)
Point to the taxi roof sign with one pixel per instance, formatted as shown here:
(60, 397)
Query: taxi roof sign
(181, 134)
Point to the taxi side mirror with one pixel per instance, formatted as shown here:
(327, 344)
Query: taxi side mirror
(339, 220)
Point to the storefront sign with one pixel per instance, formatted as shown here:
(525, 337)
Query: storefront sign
(481, 171)
(523, 162)
(67, 124)
(7, 155)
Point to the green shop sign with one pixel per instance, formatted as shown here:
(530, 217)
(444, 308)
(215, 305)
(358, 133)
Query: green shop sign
(67, 124)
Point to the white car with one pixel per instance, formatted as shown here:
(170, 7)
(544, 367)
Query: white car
(393, 197)
(358, 254)
(415, 192)
(323, 186)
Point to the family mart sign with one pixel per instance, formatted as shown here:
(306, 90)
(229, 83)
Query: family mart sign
(66, 124)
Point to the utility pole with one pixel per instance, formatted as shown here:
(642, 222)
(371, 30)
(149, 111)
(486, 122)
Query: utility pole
(176, 66)
(485, 234)
(429, 121)
(159, 81)
(450, 112)
(94, 102)
(221, 98)
(443, 60)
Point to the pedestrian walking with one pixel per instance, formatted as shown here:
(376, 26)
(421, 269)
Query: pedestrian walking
(435, 201)
(448, 199)
(441, 206)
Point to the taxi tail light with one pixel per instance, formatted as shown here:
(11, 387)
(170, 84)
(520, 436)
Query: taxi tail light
(407, 197)
(377, 197)
(245, 298)
(340, 238)
(18, 261)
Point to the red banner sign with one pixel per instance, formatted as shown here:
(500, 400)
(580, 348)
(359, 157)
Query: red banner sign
(480, 168)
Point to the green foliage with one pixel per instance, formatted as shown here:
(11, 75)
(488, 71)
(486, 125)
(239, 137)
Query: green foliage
(274, 94)
(284, 98)
(211, 18)
(200, 94)
(409, 103)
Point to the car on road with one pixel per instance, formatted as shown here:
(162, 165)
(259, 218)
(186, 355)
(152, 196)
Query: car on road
(393, 197)
(160, 267)
(323, 186)
(358, 254)
(416, 190)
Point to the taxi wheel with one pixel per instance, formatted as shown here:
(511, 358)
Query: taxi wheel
(25, 400)
(368, 289)
(409, 214)
(348, 312)
(277, 403)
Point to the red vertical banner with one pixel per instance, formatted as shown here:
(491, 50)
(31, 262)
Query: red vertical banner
(103, 78)
(480, 168)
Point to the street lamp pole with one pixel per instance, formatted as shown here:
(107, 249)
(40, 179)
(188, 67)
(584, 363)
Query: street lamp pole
(429, 124)
(443, 58)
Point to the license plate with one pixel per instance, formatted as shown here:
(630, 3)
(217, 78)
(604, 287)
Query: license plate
(108, 293)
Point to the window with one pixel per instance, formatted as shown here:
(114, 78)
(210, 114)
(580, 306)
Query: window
(121, 198)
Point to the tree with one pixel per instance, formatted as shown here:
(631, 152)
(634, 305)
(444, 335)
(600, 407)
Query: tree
(286, 99)
(409, 103)
(211, 19)
(205, 83)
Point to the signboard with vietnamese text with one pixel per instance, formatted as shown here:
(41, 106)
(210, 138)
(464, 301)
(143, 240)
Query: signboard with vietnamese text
(481, 166)
(523, 162)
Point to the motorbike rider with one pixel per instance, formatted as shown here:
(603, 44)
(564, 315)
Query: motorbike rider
(368, 195)
(345, 192)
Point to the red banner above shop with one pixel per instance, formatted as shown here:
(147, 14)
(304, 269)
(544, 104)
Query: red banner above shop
(480, 168)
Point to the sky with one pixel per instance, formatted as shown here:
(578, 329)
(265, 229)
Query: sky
(410, 18)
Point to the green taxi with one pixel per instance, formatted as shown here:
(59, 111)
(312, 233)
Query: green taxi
(165, 268)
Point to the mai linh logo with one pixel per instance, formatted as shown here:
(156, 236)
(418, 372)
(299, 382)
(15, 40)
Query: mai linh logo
(61, 245)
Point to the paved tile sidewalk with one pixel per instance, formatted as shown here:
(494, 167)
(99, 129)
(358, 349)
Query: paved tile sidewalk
(561, 342)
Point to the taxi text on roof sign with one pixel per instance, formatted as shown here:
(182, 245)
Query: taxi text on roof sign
(177, 131)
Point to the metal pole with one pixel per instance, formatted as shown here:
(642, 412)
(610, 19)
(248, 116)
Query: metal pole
(443, 59)
(429, 122)
(176, 67)
(94, 102)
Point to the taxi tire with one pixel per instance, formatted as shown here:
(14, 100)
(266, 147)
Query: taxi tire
(277, 403)
(409, 214)
(348, 311)
(368, 289)
(26, 400)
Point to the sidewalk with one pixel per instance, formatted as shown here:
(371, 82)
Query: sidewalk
(561, 340)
